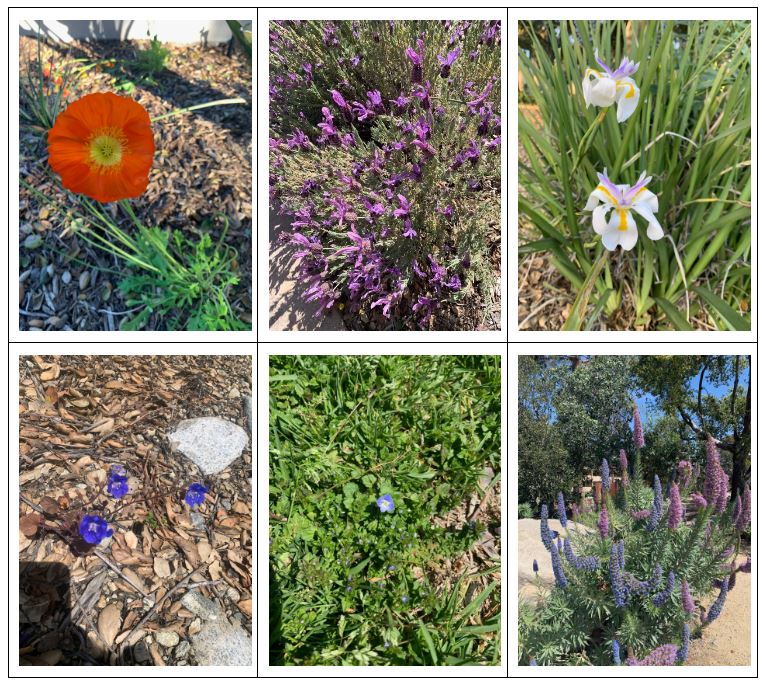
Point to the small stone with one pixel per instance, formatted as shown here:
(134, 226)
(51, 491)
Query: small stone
(32, 241)
(197, 520)
(234, 595)
(248, 411)
(226, 504)
(211, 443)
(141, 652)
(182, 649)
(222, 644)
(84, 280)
(201, 606)
(168, 638)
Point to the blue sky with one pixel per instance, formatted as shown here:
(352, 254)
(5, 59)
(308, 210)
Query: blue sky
(651, 413)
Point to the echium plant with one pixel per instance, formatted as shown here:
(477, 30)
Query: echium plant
(385, 142)
(630, 581)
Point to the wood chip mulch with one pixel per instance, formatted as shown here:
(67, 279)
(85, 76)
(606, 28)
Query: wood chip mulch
(202, 167)
(107, 604)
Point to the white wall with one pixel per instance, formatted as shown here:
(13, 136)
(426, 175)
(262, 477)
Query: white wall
(198, 31)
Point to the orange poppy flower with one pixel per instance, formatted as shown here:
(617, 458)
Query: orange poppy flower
(102, 146)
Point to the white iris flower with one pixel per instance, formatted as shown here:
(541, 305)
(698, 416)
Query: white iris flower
(611, 206)
(607, 87)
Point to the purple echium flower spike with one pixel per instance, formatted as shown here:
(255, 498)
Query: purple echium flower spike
(736, 509)
(661, 656)
(745, 567)
(675, 508)
(616, 652)
(687, 601)
(623, 461)
(661, 598)
(603, 525)
(712, 481)
(681, 656)
(621, 555)
(639, 435)
(586, 563)
(546, 535)
(698, 500)
(559, 573)
(620, 595)
(605, 471)
(721, 498)
(657, 512)
(716, 607)
(643, 514)
(744, 520)
(561, 510)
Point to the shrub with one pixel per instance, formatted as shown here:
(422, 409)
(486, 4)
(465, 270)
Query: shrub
(627, 594)
(385, 156)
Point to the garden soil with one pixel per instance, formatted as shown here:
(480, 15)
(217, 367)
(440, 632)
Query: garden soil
(120, 602)
(202, 168)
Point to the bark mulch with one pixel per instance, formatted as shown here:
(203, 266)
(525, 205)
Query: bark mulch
(202, 168)
(107, 604)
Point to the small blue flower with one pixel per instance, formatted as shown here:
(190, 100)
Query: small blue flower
(195, 494)
(94, 529)
(117, 484)
(405, 599)
(386, 503)
(391, 567)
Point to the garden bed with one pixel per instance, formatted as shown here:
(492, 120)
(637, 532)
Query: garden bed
(123, 601)
(201, 170)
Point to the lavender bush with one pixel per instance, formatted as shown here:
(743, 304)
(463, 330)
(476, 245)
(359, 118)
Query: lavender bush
(635, 584)
(385, 143)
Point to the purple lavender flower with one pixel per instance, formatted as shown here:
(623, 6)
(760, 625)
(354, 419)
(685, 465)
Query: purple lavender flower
(409, 231)
(559, 573)
(403, 209)
(375, 100)
(681, 656)
(546, 535)
(604, 523)
(716, 607)
(662, 656)
(361, 112)
(605, 472)
(675, 508)
(616, 652)
(447, 61)
(339, 100)
(620, 595)
(401, 103)
(416, 59)
(561, 510)
(94, 529)
(639, 435)
(687, 601)
(661, 598)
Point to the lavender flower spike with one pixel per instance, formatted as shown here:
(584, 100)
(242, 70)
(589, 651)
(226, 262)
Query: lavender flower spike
(607, 87)
(546, 535)
(416, 58)
(681, 656)
(616, 652)
(663, 655)
(661, 598)
(616, 580)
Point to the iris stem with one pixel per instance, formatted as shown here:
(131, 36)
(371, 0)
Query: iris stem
(583, 146)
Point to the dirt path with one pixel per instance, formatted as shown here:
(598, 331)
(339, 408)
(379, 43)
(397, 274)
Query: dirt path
(727, 640)
(288, 310)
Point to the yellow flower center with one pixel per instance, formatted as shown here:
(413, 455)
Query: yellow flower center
(106, 147)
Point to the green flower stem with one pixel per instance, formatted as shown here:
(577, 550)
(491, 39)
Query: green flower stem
(586, 140)
(176, 112)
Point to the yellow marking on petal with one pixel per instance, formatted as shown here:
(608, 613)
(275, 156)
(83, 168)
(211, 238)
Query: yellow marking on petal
(623, 224)
(621, 84)
(612, 199)
(640, 191)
